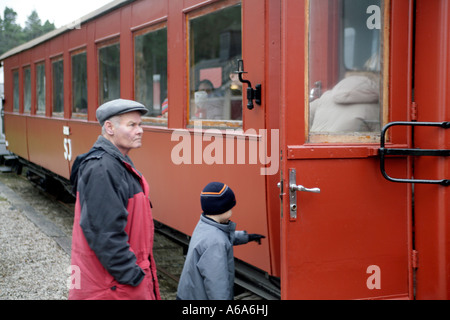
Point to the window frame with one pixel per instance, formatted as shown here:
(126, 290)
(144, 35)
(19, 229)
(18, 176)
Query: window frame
(16, 86)
(350, 138)
(54, 60)
(203, 11)
(36, 68)
(77, 115)
(26, 97)
(101, 45)
(160, 24)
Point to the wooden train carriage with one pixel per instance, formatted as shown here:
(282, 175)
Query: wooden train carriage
(160, 53)
(331, 75)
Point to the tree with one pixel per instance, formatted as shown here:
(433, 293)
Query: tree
(47, 27)
(11, 33)
(32, 26)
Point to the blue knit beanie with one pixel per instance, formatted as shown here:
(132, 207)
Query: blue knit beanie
(217, 198)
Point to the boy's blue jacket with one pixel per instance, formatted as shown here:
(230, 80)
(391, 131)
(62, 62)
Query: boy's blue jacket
(208, 272)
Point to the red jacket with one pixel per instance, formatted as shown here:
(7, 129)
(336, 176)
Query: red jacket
(112, 240)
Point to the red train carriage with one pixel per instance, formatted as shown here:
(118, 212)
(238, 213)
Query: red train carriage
(337, 107)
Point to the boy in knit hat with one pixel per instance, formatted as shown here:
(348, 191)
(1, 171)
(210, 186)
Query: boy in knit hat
(208, 272)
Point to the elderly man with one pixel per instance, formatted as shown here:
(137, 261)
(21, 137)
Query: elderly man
(112, 240)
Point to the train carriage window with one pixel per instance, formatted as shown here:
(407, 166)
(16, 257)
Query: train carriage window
(79, 85)
(150, 73)
(109, 72)
(58, 87)
(27, 90)
(40, 88)
(16, 91)
(215, 36)
(347, 70)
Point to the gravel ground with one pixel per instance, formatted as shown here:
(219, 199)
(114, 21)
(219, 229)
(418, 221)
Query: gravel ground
(32, 265)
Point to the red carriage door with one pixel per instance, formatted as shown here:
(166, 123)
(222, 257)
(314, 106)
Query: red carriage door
(346, 73)
(432, 98)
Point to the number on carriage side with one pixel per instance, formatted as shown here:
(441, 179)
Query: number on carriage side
(67, 149)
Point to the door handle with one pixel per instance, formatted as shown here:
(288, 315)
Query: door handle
(252, 94)
(293, 188)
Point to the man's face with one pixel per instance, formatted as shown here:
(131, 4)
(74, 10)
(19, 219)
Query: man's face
(127, 131)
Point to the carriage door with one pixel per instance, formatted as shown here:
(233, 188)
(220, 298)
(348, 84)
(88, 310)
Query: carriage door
(346, 230)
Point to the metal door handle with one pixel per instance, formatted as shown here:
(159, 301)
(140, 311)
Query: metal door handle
(295, 187)
(252, 94)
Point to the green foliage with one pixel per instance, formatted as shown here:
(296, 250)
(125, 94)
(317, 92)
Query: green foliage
(13, 35)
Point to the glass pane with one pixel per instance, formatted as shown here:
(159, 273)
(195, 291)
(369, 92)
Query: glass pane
(109, 73)
(27, 90)
(345, 69)
(40, 88)
(79, 84)
(215, 46)
(16, 91)
(58, 86)
(150, 72)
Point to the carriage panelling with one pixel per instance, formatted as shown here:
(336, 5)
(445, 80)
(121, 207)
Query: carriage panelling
(53, 140)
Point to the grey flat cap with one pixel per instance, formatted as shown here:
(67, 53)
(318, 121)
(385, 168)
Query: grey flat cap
(116, 107)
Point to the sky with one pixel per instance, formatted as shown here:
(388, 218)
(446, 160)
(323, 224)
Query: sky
(59, 12)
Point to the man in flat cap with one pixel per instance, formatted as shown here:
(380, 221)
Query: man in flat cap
(112, 240)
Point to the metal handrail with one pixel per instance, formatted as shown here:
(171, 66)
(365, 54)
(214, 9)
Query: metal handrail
(412, 152)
